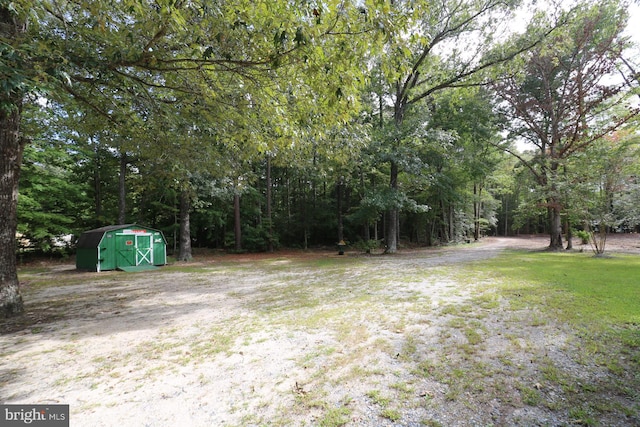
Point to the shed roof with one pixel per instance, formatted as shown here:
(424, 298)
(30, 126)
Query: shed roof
(92, 238)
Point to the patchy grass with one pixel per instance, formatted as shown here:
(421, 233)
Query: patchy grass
(599, 301)
(580, 288)
(415, 343)
(334, 417)
(391, 414)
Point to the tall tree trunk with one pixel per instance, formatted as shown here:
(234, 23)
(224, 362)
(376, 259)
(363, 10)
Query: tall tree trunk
(237, 227)
(452, 223)
(443, 232)
(185, 253)
(506, 215)
(122, 190)
(391, 233)
(97, 186)
(176, 238)
(11, 149)
(366, 232)
(555, 227)
(477, 207)
(340, 190)
(269, 205)
(306, 214)
(569, 236)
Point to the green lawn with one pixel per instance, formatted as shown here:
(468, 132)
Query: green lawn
(578, 287)
(599, 300)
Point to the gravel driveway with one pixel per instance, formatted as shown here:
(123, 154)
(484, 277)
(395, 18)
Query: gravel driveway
(410, 339)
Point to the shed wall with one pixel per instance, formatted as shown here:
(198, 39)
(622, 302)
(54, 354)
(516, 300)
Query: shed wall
(108, 251)
(159, 249)
(87, 259)
(111, 247)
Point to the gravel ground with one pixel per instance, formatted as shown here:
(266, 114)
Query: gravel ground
(402, 340)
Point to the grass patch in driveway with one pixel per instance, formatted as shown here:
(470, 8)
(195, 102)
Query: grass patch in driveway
(420, 337)
(598, 300)
(579, 287)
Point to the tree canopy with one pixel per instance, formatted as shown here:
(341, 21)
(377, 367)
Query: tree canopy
(565, 96)
(251, 124)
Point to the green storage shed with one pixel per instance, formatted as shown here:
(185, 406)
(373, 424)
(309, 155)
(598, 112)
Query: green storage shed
(126, 247)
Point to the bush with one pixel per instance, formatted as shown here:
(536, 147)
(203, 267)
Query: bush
(254, 239)
(366, 245)
(583, 236)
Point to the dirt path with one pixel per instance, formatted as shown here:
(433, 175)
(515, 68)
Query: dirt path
(394, 340)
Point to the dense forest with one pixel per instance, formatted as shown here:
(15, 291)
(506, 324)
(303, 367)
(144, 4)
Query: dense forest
(253, 125)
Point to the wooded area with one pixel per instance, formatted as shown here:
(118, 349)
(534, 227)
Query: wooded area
(252, 125)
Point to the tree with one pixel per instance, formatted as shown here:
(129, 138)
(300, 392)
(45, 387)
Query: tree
(129, 61)
(16, 78)
(625, 205)
(468, 114)
(562, 100)
(53, 201)
(603, 179)
(434, 46)
(185, 225)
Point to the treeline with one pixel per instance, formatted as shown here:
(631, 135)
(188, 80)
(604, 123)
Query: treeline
(253, 125)
(455, 187)
(422, 147)
(452, 187)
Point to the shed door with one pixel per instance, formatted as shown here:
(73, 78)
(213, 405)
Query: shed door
(144, 249)
(125, 250)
